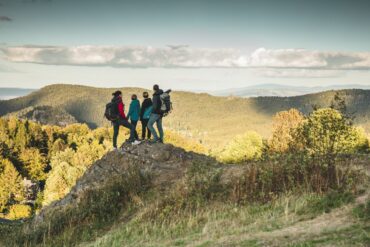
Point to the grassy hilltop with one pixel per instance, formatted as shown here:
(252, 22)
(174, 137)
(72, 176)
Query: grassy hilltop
(209, 119)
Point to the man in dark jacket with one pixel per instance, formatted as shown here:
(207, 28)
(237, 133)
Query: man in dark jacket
(146, 107)
(122, 120)
(156, 116)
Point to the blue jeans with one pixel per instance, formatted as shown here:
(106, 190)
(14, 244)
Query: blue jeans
(156, 118)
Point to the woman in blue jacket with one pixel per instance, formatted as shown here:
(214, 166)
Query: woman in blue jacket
(134, 112)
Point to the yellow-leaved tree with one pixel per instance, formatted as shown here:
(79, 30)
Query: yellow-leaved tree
(248, 146)
(11, 187)
(284, 124)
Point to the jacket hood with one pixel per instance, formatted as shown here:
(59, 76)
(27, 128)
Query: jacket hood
(117, 99)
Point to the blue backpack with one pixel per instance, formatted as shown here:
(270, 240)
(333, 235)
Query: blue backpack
(147, 112)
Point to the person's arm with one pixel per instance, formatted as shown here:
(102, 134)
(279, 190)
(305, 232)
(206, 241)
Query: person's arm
(138, 109)
(121, 109)
(129, 111)
(142, 110)
(155, 103)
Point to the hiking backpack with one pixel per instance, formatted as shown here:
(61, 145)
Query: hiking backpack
(111, 111)
(166, 104)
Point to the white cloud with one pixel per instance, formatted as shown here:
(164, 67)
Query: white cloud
(300, 58)
(299, 73)
(187, 57)
(183, 57)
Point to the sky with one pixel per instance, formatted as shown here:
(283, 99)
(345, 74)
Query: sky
(189, 45)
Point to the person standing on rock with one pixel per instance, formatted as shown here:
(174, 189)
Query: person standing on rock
(119, 109)
(156, 115)
(146, 110)
(134, 112)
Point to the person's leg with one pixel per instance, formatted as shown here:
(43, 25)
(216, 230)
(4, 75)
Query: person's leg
(160, 128)
(134, 123)
(145, 129)
(115, 134)
(153, 118)
(129, 126)
(149, 133)
(144, 123)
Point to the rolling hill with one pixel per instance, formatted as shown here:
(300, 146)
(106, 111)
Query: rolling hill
(208, 119)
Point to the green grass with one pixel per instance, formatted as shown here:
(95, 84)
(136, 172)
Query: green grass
(362, 211)
(356, 235)
(324, 204)
(209, 225)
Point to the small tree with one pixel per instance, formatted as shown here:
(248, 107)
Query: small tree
(19, 211)
(34, 164)
(11, 187)
(326, 133)
(325, 136)
(284, 123)
(242, 148)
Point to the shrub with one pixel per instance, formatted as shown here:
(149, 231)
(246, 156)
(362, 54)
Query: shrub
(244, 147)
(327, 133)
(19, 211)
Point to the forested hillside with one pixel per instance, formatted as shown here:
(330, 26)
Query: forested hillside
(204, 118)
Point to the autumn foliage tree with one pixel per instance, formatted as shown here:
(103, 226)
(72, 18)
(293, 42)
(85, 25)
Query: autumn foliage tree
(245, 147)
(11, 188)
(284, 123)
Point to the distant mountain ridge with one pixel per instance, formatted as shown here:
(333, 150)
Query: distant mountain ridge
(281, 90)
(9, 93)
(211, 120)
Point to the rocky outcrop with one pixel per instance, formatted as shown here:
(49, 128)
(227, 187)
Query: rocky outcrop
(165, 163)
(46, 115)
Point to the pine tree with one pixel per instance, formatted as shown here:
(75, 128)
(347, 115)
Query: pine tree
(11, 187)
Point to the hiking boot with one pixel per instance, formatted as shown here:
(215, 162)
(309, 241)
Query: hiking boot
(136, 142)
(155, 141)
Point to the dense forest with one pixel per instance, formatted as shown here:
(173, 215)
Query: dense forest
(40, 163)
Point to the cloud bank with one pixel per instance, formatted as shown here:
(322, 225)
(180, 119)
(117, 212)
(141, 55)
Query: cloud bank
(188, 57)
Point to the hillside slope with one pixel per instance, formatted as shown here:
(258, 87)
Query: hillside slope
(46, 115)
(209, 119)
(126, 199)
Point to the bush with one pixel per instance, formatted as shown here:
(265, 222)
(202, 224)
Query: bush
(19, 211)
(245, 147)
(326, 132)
(326, 137)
